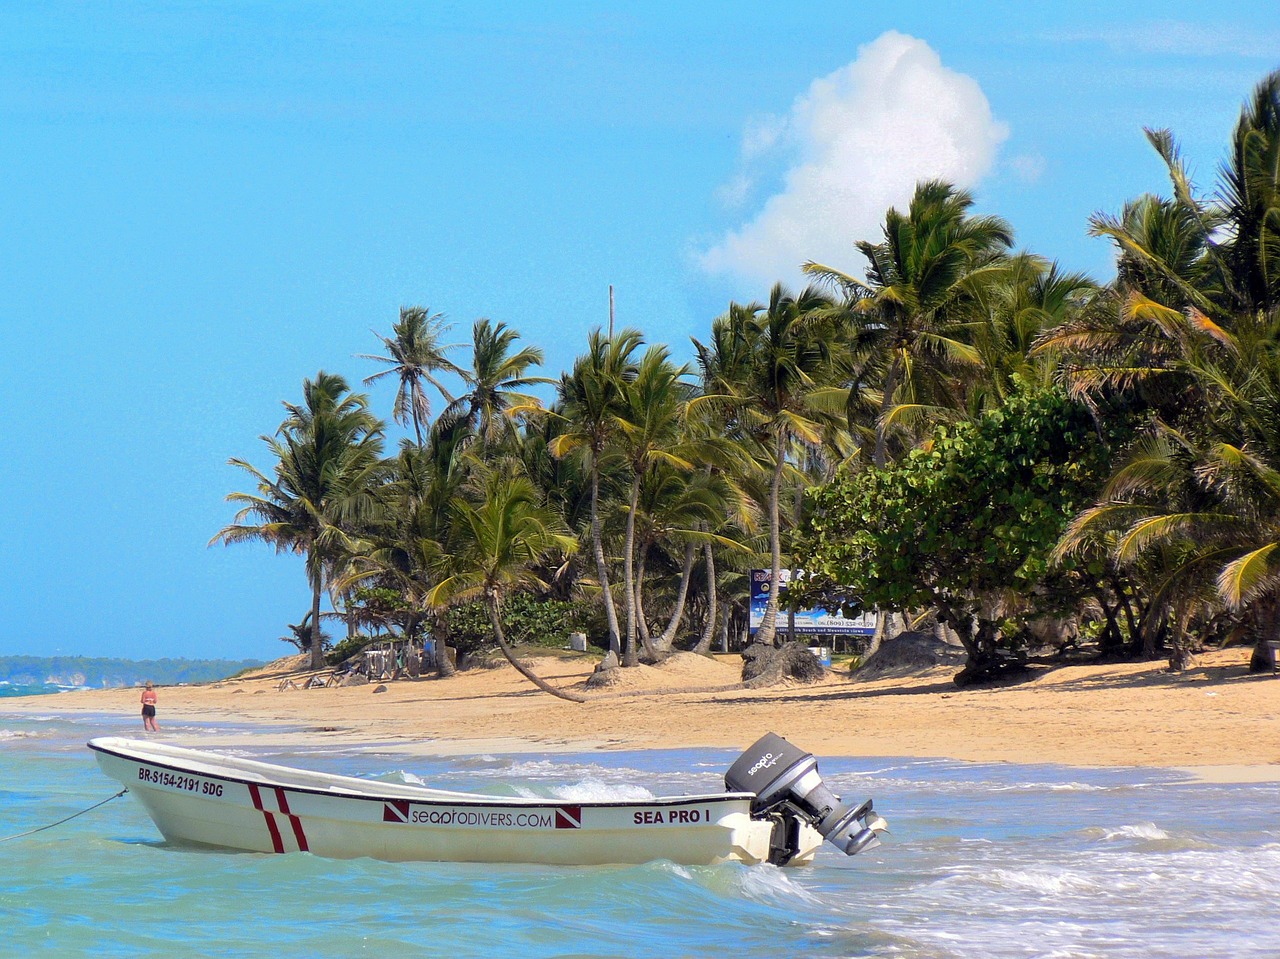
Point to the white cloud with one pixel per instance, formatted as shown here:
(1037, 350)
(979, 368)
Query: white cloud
(859, 140)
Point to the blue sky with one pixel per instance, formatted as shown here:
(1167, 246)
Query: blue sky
(205, 203)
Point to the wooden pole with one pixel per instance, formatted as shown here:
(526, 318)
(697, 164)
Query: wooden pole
(610, 311)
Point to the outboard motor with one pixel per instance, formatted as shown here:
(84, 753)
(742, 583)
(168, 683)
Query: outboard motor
(788, 790)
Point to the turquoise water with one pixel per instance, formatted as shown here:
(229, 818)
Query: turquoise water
(987, 861)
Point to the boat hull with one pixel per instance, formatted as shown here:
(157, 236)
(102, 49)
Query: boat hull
(211, 800)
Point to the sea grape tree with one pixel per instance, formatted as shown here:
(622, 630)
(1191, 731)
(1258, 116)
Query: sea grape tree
(964, 525)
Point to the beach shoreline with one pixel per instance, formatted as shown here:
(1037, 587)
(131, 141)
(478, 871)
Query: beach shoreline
(1214, 723)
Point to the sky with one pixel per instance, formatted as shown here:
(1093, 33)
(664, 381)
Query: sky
(206, 203)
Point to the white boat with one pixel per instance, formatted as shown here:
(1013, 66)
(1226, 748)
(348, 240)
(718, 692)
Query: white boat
(210, 799)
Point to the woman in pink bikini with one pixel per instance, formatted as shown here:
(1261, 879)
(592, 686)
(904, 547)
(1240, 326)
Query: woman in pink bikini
(149, 709)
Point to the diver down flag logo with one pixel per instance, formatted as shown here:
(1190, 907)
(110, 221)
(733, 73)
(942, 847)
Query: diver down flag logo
(395, 810)
(269, 816)
(568, 817)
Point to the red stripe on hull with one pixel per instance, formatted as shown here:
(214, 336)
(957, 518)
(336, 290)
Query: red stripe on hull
(277, 843)
(294, 821)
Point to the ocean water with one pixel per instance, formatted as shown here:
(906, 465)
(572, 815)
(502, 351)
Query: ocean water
(16, 689)
(983, 862)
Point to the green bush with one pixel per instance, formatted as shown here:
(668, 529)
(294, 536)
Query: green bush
(526, 619)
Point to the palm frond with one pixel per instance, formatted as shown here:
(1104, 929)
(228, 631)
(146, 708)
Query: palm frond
(1244, 577)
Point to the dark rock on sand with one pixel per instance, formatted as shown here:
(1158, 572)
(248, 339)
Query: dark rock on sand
(908, 654)
(769, 665)
(606, 672)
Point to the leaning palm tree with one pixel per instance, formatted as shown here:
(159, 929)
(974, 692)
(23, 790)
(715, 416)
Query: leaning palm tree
(415, 354)
(909, 320)
(324, 481)
(498, 538)
(774, 369)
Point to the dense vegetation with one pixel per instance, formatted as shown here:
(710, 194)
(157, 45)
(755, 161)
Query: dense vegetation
(963, 430)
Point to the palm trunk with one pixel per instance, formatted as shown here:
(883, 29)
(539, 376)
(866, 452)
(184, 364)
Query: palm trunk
(1111, 641)
(1179, 644)
(709, 628)
(628, 575)
(798, 515)
(348, 608)
(602, 570)
(317, 643)
(1153, 629)
(417, 424)
(668, 637)
(767, 633)
(1127, 608)
(886, 403)
(642, 621)
(444, 665)
(878, 634)
(491, 604)
(1266, 614)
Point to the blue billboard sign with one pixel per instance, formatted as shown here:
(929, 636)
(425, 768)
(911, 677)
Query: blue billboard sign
(809, 622)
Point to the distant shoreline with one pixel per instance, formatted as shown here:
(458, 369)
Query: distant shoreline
(104, 672)
(1215, 722)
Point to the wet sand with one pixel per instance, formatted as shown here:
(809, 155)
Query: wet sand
(1215, 722)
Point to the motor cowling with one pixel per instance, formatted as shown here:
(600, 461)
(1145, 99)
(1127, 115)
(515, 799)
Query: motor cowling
(785, 781)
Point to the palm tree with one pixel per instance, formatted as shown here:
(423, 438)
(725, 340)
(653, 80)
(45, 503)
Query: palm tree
(323, 483)
(406, 547)
(648, 433)
(565, 486)
(680, 515)
(590, 401)
(1193, 337)
(712, 613)
(909, 320)
(414, 355)
(771, 370)
(1250, 202)
(495, 382)
(1036, 296)
(1187, 266)
(499, 537)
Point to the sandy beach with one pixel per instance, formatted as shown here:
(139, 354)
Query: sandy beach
(1215, 721)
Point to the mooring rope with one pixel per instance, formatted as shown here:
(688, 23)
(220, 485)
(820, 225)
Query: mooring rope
(32, 832)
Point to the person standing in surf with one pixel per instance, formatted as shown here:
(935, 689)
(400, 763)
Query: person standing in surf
(149, 709)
